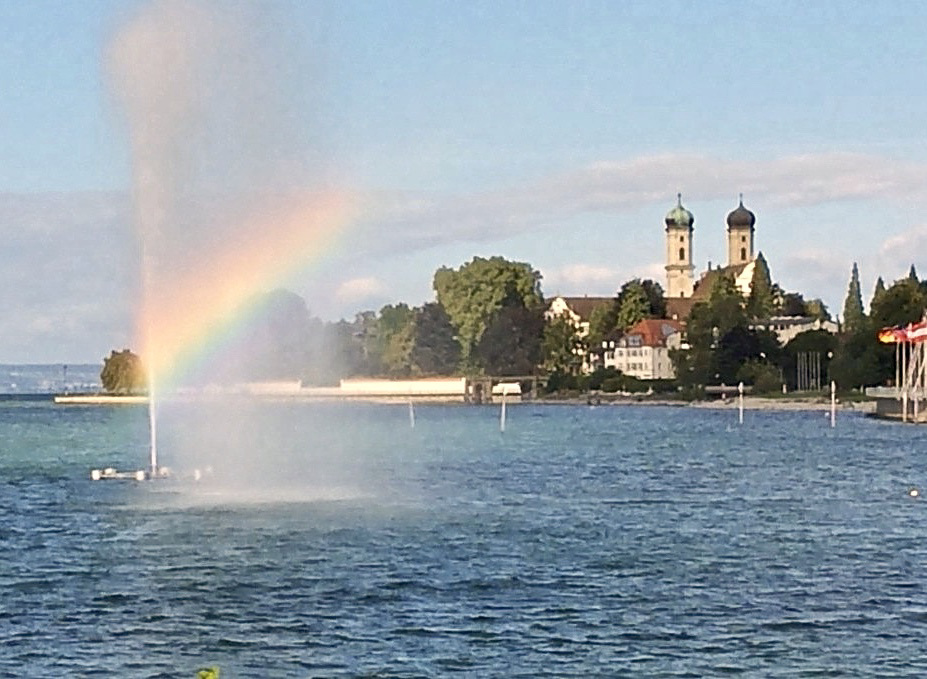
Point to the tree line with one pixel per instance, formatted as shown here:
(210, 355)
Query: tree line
(488, 317)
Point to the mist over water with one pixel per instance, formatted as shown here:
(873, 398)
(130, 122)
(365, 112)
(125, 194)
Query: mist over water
(232, 194)
(231, 184)
(251, 450)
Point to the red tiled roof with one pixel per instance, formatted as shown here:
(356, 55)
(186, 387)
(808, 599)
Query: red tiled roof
(654, 331)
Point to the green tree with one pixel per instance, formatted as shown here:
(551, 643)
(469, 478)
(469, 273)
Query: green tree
(275, 345)
(638, 299)
(435, 349)
(395, 338)
(708, 323)
(396, 359)
(511, 343)
(859, 361)
(818, 342)
(602, 321)
(393, 318)
(715, 318)
(877, 292)
(904, 302)
(365, 336)
(760, 302)
(656, 299)
(633, 304)
(763, 375)
(853, 314)
(792, 304)
(740, 345)
(817, 309)
(473, 294)
(123, 373)
(562, 347)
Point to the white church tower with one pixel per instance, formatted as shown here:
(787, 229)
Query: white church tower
(740, 235)
(680, 278)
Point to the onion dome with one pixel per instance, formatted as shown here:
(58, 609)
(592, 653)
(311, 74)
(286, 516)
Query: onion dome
(741, 217)
(679, 216)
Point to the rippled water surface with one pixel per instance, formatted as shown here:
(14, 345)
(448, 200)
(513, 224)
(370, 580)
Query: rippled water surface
(335, 540)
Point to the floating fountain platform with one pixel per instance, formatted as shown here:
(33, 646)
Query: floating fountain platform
(109, 473)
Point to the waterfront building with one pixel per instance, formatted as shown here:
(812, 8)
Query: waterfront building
(682, 290)
(578, 310)
(643, 351)
(787, 328)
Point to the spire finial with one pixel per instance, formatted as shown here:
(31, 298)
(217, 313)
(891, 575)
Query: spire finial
(679, 199)
(741, 200)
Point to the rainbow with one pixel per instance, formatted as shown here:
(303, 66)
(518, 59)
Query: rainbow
(186, 317)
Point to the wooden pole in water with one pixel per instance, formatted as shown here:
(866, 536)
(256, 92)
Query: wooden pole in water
(411, 414)
(502, 412)
(740, 402)
(833, 404)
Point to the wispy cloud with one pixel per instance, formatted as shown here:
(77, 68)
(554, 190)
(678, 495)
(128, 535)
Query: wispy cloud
(904, 245)
(581, 277)
(899, 251)
(358, 289)
(403, 221)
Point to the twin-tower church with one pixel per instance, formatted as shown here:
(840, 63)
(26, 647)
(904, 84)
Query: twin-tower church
(680, 271)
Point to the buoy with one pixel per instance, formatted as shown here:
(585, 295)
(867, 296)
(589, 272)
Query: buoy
(914, 492)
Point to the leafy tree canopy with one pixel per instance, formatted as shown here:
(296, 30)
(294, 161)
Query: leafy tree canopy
(633, 305)
(639, 299)
(722, 312)
(817, 309)
(792, 304)
(123, 373)
(394, 339)
(709, 322)
(474, 293)
(602, 321)
(904, 302)
(511, 344)
(739, 345)
(435, 349)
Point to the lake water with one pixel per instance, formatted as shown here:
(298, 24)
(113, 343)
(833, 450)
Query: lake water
(334, 540)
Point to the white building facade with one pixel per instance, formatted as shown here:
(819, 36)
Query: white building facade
(643, 351)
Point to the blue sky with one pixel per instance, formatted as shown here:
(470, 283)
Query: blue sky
(549, 132)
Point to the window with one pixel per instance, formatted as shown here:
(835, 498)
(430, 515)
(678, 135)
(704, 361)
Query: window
(743, 239)
(743, 253)
(682, 254)
(682, 239)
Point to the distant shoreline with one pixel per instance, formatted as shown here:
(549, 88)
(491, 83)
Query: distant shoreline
(816, 404)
